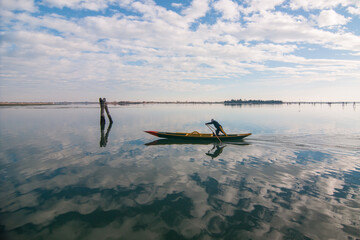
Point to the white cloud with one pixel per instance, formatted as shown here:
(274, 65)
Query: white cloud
(320, 4)
(283, 28)
(22, 5)
(260, 5)
(353, 10)
(197, 9)
(176, 5)
(154, 13)
(94, 5)
(229, 9)
(154, 47)
(279, 27)
(329, 18)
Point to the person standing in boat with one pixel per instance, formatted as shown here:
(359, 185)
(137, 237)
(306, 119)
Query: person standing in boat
(217, 126)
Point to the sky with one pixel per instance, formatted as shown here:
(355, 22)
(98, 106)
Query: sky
(191, 50)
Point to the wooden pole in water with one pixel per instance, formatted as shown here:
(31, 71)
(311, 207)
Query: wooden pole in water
(107, 111)
(103, 108)
(102, 112)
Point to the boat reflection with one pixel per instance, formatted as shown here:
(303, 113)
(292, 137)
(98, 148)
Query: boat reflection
(214, 152)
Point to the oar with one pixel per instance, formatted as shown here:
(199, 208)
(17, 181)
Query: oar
(214, 133)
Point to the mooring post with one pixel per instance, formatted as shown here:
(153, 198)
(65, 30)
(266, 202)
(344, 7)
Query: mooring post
(102, 115)
(107, 110)
(103, 108)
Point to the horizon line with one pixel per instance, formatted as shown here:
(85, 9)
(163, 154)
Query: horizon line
(172, 102)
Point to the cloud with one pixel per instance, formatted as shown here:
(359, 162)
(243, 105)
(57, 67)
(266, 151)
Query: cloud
(197, 9)
(353, 10)
(243, 40)
(320, 4)
(176, 5)
(259, 5)
(18, 5)
(283, 28)
(93, 5)
(329, 18)
(229, 9)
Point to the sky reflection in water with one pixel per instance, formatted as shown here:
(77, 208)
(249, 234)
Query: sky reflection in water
(296, 177)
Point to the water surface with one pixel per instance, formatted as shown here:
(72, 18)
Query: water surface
(296, 177)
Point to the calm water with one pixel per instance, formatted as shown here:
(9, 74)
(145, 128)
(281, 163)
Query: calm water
(296, 177)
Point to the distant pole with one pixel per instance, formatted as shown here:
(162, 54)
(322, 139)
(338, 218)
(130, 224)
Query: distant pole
(102, 112)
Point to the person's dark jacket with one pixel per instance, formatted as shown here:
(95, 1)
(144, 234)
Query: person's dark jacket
(216, 124)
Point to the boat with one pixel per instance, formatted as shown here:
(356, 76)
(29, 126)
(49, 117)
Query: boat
(198, 136)
(174, 141)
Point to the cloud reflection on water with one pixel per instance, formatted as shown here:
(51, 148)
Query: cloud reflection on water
(57, 187)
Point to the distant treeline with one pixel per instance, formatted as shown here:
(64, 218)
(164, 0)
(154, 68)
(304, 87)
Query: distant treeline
(240, 101)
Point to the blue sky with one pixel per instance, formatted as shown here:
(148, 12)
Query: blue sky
(213, 50)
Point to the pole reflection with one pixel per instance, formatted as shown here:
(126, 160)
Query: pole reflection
(104, 137)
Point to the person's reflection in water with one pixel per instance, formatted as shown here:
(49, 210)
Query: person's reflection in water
(104, 137)
(215, 151)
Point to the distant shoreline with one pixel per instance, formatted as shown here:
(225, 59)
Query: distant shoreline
(228, 103)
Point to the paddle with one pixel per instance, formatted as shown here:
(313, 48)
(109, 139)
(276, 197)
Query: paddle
(214, 133)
